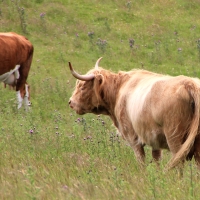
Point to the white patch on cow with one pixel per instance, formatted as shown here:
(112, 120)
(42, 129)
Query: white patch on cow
(11, 76)
(20, 100)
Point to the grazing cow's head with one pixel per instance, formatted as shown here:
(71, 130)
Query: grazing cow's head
(88, 94)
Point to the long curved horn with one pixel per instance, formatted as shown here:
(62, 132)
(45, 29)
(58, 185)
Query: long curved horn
(80, 77)
(97, 63)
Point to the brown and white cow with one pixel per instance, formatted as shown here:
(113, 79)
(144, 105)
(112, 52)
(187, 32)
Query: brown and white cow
(147, 108)
(16, 54)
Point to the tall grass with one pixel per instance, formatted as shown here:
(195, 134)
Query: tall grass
(52, 153)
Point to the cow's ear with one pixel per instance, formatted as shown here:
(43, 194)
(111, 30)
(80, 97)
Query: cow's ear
(99, 79)
(98, 85)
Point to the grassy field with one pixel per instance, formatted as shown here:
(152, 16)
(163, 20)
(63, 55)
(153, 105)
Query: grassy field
(52, 153)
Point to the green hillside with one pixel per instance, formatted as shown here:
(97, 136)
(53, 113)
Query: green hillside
(52, 153)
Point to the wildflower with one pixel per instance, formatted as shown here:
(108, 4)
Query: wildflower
(90, 34)
(65, 187)
(89, 137)
(131, 42)
(42, 15)
(78, 120)
(104, 41)
(198, 45)
(179, 49)
(101, 43)
(31, 131)
(72, 136)
(128, 4)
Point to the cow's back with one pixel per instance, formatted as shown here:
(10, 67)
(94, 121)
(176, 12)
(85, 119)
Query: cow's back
(15, 50)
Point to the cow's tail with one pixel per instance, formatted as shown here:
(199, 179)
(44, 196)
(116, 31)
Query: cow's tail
(194, 91)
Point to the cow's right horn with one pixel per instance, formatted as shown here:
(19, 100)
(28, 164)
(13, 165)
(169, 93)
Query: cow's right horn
(80, 77)
(97, 63)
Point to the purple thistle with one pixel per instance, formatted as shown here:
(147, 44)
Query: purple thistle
(78, 119)
(131, 42)
(65, 187)
(90, 34)
(42, 15)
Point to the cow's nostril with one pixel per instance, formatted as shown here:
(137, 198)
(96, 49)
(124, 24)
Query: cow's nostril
(69, 101)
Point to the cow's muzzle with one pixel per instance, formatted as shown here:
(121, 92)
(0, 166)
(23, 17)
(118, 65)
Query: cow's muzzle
(70, 104)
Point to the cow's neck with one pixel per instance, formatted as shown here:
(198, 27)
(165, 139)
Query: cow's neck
(110, 93)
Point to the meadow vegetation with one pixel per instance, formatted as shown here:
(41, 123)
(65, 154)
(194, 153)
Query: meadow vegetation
(51, 152)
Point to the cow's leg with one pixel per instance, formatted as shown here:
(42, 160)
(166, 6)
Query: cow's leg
(23, 96)
(156, 154)
(137, 147)
(19, 99)
(21, 86)
(139, 153)
(26, 97)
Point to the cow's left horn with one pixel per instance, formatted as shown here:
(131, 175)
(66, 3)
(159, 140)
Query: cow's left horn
(80, 77)
(97, 63)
